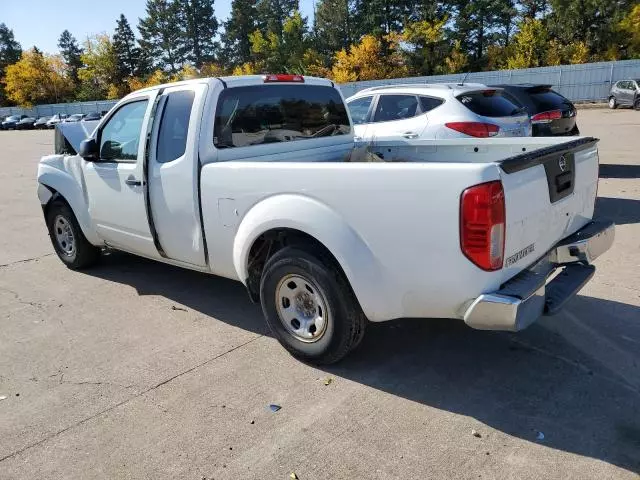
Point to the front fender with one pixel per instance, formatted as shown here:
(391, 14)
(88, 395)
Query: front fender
(363, 270)
(64, 175)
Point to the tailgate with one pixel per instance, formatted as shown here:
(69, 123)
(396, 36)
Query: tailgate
(549, 194)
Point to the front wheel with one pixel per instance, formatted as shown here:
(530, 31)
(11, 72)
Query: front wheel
(67, 238)
(636, 104)
(612, 103)
(310, 307)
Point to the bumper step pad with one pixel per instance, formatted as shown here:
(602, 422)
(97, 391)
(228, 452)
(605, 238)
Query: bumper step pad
(565, 285)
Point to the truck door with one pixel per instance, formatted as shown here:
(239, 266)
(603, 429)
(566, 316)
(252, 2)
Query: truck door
(173, 174)
(115, 183)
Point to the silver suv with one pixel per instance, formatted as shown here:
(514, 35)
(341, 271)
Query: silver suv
(625, 93)
(434, 111)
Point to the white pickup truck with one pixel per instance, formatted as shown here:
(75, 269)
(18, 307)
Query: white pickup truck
(258, 179)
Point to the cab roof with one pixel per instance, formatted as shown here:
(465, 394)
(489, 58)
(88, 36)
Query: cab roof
(236, 81)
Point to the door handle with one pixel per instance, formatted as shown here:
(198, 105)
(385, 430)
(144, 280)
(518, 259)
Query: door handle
(133, 182)
(410, 135)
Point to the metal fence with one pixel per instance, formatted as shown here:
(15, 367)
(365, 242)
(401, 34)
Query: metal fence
(580, 83)
(52, 109)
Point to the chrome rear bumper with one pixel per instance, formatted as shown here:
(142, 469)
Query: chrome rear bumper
(530, 294)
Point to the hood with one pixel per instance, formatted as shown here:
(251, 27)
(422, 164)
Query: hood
(70, 135)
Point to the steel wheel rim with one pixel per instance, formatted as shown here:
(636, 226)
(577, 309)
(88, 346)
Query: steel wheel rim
(65, 238)
(612, 102)
(302, 308)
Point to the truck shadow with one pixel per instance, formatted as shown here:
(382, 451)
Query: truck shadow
(621, 210)
(608, 170)
(574, 377)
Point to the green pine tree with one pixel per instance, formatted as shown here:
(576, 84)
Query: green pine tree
(479, 24)
(10, 52)
(162, 35)
(333, 26)
(129, 55)
(590, 21)
(380, 17)
(70, 51)
(271, 14)
(200, 27)
(235, 39)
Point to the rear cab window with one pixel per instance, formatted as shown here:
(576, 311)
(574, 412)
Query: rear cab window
(489, 103)
(260, 114)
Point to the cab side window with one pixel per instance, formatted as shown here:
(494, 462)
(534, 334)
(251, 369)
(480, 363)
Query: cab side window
(429, 103)
(120, 137)
(174, 126)
(396, 107)
(359, 109)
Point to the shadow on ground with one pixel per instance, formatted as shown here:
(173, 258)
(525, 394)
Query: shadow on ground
(520, 384)
(608, 170)
(620, 210)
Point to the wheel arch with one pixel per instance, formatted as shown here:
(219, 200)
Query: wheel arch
(57, 184)
(313, 226)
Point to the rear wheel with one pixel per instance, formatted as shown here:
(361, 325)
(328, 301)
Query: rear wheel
(636, 104)
(309, 307)
(613, 104)
(67, 238)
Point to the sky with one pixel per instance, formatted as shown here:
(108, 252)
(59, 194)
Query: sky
(40, 22)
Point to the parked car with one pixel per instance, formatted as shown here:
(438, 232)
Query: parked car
(26, 123)
(10, 122)
(92, 116)
(437, 111)
(57, 118)
(625, 93)
(551, 113)
(41, 122)
(76, 117)
(282, 199)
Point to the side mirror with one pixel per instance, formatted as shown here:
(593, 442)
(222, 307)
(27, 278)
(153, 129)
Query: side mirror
(89, 150)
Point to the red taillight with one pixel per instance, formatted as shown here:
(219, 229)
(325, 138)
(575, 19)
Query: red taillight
(483, 225)
(475, 129)
(547, 117)
(283, 77)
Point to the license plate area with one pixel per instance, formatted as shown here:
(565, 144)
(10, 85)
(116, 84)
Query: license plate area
(561, 174)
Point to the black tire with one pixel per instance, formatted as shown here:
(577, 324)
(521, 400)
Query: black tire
(82, 254)
(636, 104)
(344, 320)
(613, 103)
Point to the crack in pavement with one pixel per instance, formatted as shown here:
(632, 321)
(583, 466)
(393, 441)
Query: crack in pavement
(133, 397)
(26, 260)
(19, 299)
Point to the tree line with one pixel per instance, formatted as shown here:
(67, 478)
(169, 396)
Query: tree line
(349, 40)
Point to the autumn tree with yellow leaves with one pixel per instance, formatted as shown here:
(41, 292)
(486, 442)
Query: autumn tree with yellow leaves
(37, 78)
